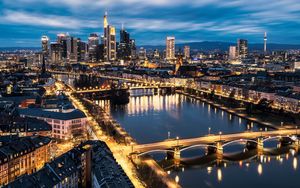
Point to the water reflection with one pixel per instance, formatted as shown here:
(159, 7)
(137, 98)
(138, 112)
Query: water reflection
(260, 169)
(150, 118)
(241, 172)
(158, 117)
(219, 174)
(295, 163)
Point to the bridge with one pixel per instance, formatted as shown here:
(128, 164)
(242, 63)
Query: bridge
(98, 75)
(216, 143)
(130, 87)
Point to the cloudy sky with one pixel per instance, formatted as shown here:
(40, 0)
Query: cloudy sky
(23, 22)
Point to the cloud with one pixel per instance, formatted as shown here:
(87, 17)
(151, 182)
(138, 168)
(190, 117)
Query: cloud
(25, 18)
(149, 19)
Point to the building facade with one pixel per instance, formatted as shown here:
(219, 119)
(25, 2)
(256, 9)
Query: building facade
(242, 48)
(170, 48)
(110, 46)
(24, 155)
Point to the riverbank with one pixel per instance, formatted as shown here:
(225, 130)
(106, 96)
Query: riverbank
(231, 111)
(114, 133)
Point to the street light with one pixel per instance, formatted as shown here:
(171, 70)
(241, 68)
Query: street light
(209, 130)
(220, 133)
(177, 138)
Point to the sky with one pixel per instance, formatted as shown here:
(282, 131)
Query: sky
(23, 22)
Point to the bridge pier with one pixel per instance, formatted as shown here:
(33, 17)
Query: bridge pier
(260, 143)
(177, 154)
(219, 149)
(174, 154)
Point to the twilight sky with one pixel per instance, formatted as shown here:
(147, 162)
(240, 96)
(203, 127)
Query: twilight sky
(23, 22)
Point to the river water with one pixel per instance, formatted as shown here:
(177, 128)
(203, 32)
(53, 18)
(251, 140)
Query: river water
(150, 118)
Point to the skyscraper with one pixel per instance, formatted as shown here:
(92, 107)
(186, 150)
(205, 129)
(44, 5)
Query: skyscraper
(110, 46)
(62, 39)
(56, 52)
(133, 49)
(124, 49)
(82, 50)
(232, 52)
(93, 42)
(142, 54)
(265, 42)
(45, 46)
(242, 46)
(170, 48)
(187, 52)
(73, 53)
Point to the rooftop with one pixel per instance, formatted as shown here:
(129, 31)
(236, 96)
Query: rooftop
(39, 112)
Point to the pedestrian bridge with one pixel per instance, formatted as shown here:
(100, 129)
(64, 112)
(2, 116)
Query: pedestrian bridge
(216, 143)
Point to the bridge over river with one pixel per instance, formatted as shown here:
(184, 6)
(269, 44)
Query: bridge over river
(216, 143)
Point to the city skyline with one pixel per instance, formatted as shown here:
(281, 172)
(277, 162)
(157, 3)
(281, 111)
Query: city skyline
(24, 22)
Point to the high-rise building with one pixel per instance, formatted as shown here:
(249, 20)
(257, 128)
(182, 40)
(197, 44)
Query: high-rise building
(170, 48)
(62, 39)
(45, 46)
(93, 42)
(142, 54)
(265, 42)
(133, 49)
(73, 53)
(56, 52)
(232, 52)
(242, 48)
(124, 49)
(110, 47)
(82, 50)
(187, 52)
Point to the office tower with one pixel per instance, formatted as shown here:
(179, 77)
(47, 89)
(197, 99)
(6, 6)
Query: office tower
(142, 54)
(265, 42)
(133, 49)
(170, 48)
(73, 53)
(124, 49)
(93, 42)
(232, 52)
(62, 39)
(56, 52)
(81, 50)
(187, 53)
(242, 48)
(110, 46)
(45, 46)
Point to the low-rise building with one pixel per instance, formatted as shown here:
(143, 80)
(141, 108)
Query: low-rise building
(22, 155)
(91, 164)
(65, 124)
(25, 127)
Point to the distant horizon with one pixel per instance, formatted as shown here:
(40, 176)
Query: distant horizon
(181, 43)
